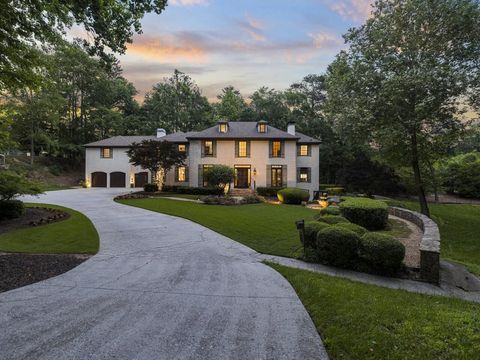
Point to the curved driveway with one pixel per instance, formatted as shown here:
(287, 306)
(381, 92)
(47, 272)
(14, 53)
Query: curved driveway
(161, 287)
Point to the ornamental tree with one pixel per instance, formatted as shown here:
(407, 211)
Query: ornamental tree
(403, 83)
(220, 175)
(13, 185)
(156, 155)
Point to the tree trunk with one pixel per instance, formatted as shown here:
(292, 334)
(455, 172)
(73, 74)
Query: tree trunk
(418, 177)
(434, 181)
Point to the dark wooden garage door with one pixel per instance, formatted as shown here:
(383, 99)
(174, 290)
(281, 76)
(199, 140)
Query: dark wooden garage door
(99, 179)
(117, 179)
(141, 179)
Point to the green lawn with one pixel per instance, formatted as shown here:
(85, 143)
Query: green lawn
(264, 227)
(76, 235)
(358, 321)
(459, 229)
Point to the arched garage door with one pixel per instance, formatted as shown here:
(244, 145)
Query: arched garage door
(117, 179)
(99, 179)
(141, 179)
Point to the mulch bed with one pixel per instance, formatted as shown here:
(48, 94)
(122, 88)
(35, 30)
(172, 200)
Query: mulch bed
(17, 270)
(34, 216)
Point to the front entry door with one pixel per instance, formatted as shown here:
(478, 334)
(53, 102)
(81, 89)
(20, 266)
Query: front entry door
(242, 177)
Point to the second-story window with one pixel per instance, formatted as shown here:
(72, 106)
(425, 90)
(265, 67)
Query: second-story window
(276, 149)
(242, 149)
(106, 153)
(208, 148)
(182, 148)
(303, 150)
(262, 128)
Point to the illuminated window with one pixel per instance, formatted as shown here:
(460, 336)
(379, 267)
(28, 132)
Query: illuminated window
(262, 128)
(223, 127)
(208, 148)
(181, 174)
(304, 150)
(182, 148)
(276, 148)
(303, 175)
(277, 176)
(243, 149)
(106, 153)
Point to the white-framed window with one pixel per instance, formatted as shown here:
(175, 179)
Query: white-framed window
(304, 150)
(208, 148)
(106, 153)
(303, 174)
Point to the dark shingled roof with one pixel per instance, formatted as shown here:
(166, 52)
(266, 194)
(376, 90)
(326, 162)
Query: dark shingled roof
(242, 130)
(236, 130)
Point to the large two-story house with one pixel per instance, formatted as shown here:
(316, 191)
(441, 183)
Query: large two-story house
(262, 156)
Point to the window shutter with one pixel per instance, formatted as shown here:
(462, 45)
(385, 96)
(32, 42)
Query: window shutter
(282, 149)
(236, 148)
(186, 174)
(309, 175)
(248, 149)
(176, 173)
(200, 175)
(268, 175)
(298, 175)
(270, 148)
(284, 175)
(214, 146)
(309, 151)
(298, 150)
(203, 148)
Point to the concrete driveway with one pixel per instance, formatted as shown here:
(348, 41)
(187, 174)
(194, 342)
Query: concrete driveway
(161, 287)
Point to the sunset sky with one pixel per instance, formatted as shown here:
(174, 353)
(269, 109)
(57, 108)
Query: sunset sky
(244, 43)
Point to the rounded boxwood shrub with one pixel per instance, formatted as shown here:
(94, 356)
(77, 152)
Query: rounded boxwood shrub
(332, 219)
(150, 187)
(357, 229)
(293, 196)
(371, 214)
(267, 191)
(330, 210)
(383, 253)
(11, 209)
(337, 246)
(311, 230)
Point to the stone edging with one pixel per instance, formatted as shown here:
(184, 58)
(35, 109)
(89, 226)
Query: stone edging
(429, 246)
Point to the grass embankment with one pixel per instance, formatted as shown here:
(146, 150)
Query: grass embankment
(359, 321)
(76, 235)
(459, 230)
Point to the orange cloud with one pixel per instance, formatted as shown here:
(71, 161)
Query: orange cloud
(323, 40)
(358, 10)
(168, 49)
(253, 27)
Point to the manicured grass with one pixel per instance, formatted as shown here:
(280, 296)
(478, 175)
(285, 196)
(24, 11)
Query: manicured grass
(263, 227)
(459, 229)
(359, 321)
(76, 235)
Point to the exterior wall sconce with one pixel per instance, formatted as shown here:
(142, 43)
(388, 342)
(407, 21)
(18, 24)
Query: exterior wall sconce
(254, 171)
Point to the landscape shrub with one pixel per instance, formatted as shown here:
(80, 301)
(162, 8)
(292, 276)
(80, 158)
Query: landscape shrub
(460, 175)
(250, 199)
(219, 176)
(11, 209)
(219, 200)
(332, 219)
(267, 191)
(170, 188)
(311, 230)
(293, 196)
(337, 246)
(357, 229)
(330, 210)
(212, 190)
(371, 214)
(335, 190)
(150, 187)
(383, 253)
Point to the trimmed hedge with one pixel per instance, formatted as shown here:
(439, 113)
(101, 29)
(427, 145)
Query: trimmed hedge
(357, 229)
(11, 209)
(330, 210)
(193, 190)
(311, 230)
(337, 246)
(383, 253)
(335, 190)
(332, 219)
(150, 187)
(293, 196)
(371, 214)
(267, 191)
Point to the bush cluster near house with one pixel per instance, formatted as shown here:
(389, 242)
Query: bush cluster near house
(371, 214)
(294, 196)
(267, 191)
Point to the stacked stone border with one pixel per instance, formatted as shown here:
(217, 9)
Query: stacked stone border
(429, 246)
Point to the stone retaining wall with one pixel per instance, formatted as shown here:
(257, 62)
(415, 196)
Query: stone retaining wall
(429, 246)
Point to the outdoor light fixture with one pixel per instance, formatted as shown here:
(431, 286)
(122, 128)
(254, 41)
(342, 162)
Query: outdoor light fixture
(254, 171)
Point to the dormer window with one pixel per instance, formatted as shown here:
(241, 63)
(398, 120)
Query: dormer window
(262, 127)
(222, 127)
(182, 148)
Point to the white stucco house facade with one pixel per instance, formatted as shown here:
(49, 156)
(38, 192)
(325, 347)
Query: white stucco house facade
(262, 156)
